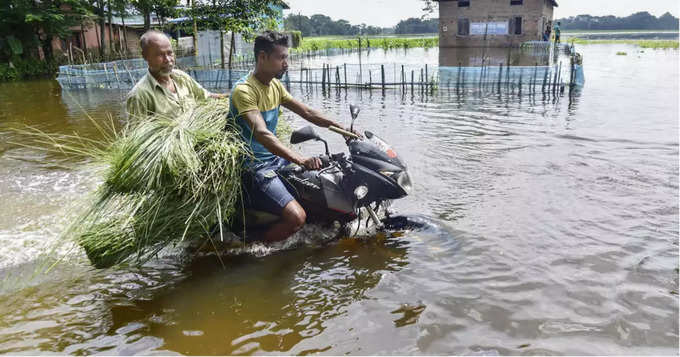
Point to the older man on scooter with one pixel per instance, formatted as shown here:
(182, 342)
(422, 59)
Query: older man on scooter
(255, 106)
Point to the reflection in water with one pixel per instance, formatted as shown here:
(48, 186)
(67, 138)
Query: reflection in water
(472, 57)
(565, 211)
(250, 305)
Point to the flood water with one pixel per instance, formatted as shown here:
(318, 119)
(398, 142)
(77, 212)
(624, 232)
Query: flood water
(549, 227)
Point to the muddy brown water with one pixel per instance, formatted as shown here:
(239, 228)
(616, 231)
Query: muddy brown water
(548, 228)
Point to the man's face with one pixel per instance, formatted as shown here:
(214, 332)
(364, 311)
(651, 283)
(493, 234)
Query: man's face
(159, 56)
(276, 62)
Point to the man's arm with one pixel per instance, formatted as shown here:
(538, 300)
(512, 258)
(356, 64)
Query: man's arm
(199, 92)
(272, 143)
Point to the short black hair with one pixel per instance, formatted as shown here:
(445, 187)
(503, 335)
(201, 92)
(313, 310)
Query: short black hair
(267, 40)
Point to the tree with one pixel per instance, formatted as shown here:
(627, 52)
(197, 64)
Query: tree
(27, 25)
(638, 21)
(320, 25)
(236, 16)
(120, 7)
(417, 25)
(162, 8)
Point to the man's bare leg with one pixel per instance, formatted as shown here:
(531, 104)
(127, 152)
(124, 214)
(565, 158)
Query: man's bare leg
(292, 219)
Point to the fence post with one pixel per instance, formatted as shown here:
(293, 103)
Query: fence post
(412, 81)
(403, 79)
(533, 80)
(458, 79)
(507, 75)
(345, 71)
(554, 81)
(559, 78)
(323, 77)
(545, 78)
(500, 75)
(382, 76)
(427, 80)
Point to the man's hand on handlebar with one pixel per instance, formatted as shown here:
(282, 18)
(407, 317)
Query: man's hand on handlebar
(312, 163)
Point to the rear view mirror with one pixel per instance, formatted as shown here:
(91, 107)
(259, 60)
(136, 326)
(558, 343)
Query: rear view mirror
(303, 134)
(354, 111)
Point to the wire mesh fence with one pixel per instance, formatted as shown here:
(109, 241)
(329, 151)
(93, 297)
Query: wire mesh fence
(485, 76)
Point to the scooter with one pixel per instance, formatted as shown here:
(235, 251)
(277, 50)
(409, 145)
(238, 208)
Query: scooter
(366, 179)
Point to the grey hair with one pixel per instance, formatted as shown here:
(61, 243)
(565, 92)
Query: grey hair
(147, 36)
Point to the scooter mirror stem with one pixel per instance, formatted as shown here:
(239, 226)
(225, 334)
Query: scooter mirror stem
(354, 112)
(328, 153)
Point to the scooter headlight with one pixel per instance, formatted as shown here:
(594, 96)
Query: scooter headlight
(360, 192)
(402, 178)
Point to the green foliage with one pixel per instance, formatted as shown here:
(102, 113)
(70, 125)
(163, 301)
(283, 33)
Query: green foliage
(297, 38)
(22, 20)
(7, 73)
(14, 46)
(26, 69)
(387, 43)
(239, 16)
(638, 21)
(322, 25)
(165, 179)
(653, 44)
(416, 25)
(621, 53)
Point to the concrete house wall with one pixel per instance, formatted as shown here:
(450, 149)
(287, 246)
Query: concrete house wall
(489, 22)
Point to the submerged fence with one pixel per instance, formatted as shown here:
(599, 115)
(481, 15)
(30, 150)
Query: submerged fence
(487, 76)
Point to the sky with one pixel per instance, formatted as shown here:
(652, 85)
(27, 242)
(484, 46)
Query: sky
(387, 13)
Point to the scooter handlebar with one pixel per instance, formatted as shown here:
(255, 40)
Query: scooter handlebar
(325, 160)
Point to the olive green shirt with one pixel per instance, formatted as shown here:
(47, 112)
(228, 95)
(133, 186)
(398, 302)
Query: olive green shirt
(148, 97)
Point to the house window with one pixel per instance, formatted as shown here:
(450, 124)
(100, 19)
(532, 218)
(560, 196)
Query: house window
(463, 3)
(515, 25)
(464, 27)
(516, 2)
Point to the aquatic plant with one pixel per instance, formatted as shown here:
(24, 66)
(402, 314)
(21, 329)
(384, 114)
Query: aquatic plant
(621, 53)
(653, 44)
(326, 43)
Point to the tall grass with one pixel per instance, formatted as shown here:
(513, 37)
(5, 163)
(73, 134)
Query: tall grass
(317, 44)
(652, 44)
(164, 179)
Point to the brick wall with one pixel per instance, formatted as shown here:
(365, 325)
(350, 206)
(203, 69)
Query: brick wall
(482, 15)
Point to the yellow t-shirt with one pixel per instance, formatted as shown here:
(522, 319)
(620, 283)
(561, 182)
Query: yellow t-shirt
(250, 94)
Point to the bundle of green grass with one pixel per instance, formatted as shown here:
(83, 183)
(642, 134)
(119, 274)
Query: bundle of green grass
(165, 179)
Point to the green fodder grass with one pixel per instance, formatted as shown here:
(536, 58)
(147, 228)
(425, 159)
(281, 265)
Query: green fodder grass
(164, 180)
(652, 44)
(317, 44)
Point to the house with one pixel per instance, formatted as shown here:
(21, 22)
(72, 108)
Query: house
(278, 8)
(87, 37)
(493, 23)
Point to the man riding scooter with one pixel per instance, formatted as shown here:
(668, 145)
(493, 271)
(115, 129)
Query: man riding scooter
(255, 106)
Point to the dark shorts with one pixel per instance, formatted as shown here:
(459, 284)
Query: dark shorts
(263, 189)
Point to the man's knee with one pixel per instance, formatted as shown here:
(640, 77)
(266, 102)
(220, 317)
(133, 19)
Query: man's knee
(294, 215)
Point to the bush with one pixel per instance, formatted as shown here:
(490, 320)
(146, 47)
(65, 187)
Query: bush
(26, 69)
(7, 73)
(297, 38)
